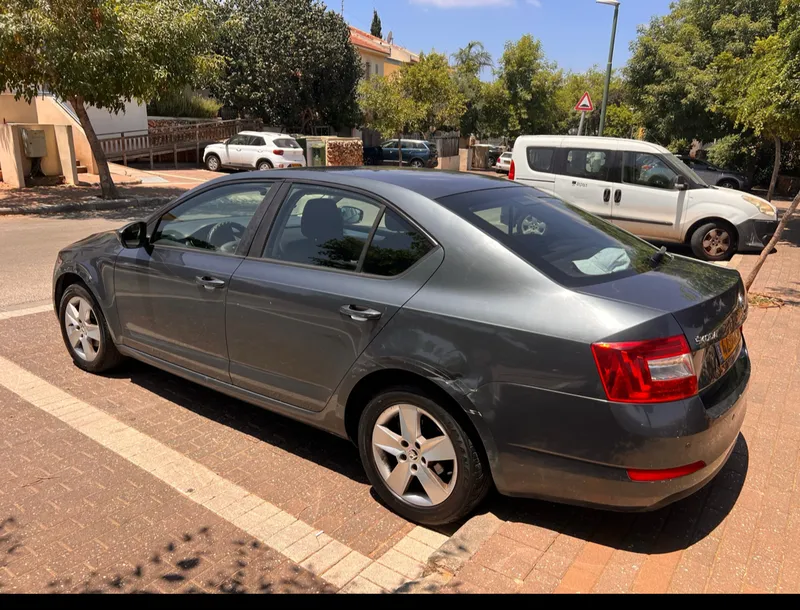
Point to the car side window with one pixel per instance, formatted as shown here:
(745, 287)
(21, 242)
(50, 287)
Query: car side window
(592, 164)
(541, 159)
(322, 226)
(395, 246)
(256, 141)
(390, 144)
(238, 140)
(214, 220)
(646, 169)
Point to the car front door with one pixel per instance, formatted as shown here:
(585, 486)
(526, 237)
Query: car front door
(336, 267)
(648, 201)
(584, 179)
(244, 152)
(170, 295)
(390, 152)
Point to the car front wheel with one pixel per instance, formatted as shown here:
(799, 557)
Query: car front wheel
(714, 241)
(417, 163)
(213, 164)
(85, 331)
(419, 459)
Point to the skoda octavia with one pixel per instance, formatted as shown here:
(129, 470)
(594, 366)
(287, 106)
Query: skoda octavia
(464, 331)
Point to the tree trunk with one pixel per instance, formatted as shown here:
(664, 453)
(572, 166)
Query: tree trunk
(772, 242)
(776, 168)
(107, 186)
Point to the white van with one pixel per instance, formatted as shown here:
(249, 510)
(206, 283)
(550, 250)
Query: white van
(645, 189)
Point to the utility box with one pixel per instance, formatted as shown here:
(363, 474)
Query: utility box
(33, 143)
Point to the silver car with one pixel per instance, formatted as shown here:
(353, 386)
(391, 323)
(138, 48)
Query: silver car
(715, 175)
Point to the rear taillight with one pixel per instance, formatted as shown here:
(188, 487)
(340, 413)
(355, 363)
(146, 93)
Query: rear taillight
(659, 370)
(277, 151)
(511, 170)
(665, 474)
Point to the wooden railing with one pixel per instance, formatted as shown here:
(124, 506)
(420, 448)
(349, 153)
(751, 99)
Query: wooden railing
(173, 139)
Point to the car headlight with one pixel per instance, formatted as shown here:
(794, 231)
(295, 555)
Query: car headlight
(765, 207)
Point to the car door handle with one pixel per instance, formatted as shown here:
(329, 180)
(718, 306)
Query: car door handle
(617, 196)
(607, 195)
(209, 283)
(359, 314)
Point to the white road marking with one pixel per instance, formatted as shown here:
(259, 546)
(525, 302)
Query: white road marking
(320, 554)
(16, 313)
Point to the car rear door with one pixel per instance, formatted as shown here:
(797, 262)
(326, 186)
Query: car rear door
(246, 152)
(584, 178)
(170, 295)
(647, 201)
(317, 288)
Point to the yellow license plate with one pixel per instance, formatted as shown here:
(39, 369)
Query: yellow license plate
(729, 345)
(295, 165)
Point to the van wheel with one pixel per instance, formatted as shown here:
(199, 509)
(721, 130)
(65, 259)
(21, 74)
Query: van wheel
(420, 461)
(714, 241)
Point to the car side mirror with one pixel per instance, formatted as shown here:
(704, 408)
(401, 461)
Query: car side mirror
(134, 235)
(351, 215)
(681, 184)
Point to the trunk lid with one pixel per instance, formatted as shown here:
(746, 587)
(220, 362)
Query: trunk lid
(707, 301)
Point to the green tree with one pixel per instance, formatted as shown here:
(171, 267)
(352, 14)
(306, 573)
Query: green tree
(672, 72)
(532, 83)
(494, 116)
(438, 101)
(468, 63)
(375, 28)
(385, 107)
(289, 62)
(102, 53)
(620, 119)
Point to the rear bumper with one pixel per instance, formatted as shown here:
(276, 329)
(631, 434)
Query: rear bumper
(576, 450)
(755, 234)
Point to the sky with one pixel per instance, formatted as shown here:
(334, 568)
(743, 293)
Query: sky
(575, 33)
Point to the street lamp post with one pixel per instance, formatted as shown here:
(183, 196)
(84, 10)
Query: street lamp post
(615, 4)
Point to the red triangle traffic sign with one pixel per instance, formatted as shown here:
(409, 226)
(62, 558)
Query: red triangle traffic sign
(585, 103)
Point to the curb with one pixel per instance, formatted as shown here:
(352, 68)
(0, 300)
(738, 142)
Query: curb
(445, 563)
(90, 204)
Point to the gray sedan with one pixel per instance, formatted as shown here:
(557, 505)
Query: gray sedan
(464, 331)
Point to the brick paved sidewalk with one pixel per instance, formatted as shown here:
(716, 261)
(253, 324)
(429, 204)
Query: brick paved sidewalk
(740, 533)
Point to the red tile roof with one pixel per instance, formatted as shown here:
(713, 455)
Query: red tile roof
(367, 41)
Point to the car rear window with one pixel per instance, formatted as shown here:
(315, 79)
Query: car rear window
(567, 244)
(286, 143)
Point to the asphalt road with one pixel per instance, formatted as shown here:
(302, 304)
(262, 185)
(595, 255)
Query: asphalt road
(29, 245)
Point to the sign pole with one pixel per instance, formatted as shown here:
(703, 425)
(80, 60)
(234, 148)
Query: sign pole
(580, 127)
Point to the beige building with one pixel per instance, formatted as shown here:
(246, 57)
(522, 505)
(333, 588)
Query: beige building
(378, 56)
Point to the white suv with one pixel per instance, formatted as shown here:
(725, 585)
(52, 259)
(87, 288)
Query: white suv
(254, 150)
(645, 189)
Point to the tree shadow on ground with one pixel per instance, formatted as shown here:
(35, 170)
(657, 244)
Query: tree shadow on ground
(193, 562)
(674, 527)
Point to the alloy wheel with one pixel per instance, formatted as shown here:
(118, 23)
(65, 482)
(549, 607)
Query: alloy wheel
(83, 329)
(212, 163)
(716, 242)
(414, 455)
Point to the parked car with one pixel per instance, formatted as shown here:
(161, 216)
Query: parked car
(416, 153)
(411, 312)
(503, 163)
(647, 190)
(494, 154)
(726, 178)
(254, 150)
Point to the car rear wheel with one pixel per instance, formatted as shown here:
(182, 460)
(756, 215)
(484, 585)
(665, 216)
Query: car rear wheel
(85, 331)
(419, 459)
(213, 164)
(264, 165)
(417, 163)
(714, 241)
(729, 184)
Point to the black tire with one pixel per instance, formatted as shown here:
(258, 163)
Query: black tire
(700, 235)
(263, 165)
(417, 163)
(473, 480)
(728, 183)
(107, 354)
(213, 163)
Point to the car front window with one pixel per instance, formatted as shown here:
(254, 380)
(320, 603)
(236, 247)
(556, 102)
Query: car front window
(684, 169)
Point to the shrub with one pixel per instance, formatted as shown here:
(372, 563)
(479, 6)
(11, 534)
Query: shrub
(189, 105)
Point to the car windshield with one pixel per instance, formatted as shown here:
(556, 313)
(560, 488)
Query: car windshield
(683, 168)
(569, 245)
